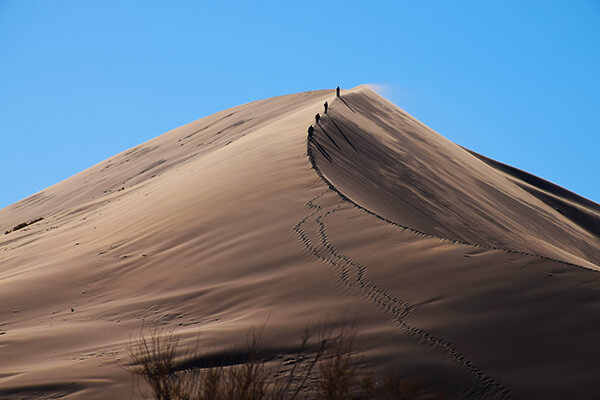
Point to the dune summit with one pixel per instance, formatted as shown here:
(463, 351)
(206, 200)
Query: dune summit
(474, 276)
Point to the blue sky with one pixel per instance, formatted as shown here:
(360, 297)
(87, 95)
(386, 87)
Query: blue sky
(83, 80)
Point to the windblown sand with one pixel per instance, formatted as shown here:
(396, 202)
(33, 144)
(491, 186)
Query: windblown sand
(476, 277)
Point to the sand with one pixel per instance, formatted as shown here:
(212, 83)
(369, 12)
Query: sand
(471, 275)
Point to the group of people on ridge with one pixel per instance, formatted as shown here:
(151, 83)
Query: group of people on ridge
(318, 117)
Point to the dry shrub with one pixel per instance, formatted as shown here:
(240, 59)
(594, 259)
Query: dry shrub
(23, 225)
(398, 388)
(153, 359)
(244, 381)
(327, 370)
(338, 368)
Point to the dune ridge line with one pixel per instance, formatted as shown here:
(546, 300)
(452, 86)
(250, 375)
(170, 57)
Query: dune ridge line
(414, 230)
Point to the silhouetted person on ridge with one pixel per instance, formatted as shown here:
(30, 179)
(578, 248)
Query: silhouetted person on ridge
(317, 117)
(337, 91)
(325, 105)
(311, 130)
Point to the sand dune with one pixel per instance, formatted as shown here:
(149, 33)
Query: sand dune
(404, 172)
(475, 276)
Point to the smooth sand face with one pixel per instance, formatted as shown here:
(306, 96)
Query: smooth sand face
(224, 223)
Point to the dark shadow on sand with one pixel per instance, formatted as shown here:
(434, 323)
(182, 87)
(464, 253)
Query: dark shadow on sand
(347, 105)
(320, 148)
(342, 133)
(330, 138)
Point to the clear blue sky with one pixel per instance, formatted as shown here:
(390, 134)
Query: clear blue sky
(80, 81)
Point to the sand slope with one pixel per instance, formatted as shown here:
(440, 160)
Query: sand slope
(457, 269)
(394, 166)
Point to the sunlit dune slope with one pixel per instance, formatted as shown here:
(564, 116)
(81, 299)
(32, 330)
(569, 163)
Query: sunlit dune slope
(149, 160)
(472, 276)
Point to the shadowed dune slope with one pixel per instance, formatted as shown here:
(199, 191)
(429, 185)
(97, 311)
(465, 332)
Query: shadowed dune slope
(392, 165)
(235, 219)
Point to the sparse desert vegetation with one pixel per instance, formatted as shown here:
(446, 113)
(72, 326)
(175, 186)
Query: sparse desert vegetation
(326, 367)
(23, 225)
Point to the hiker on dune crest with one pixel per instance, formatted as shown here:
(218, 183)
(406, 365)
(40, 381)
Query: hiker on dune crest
(337, 92)
(317, 117)
(325, 105)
